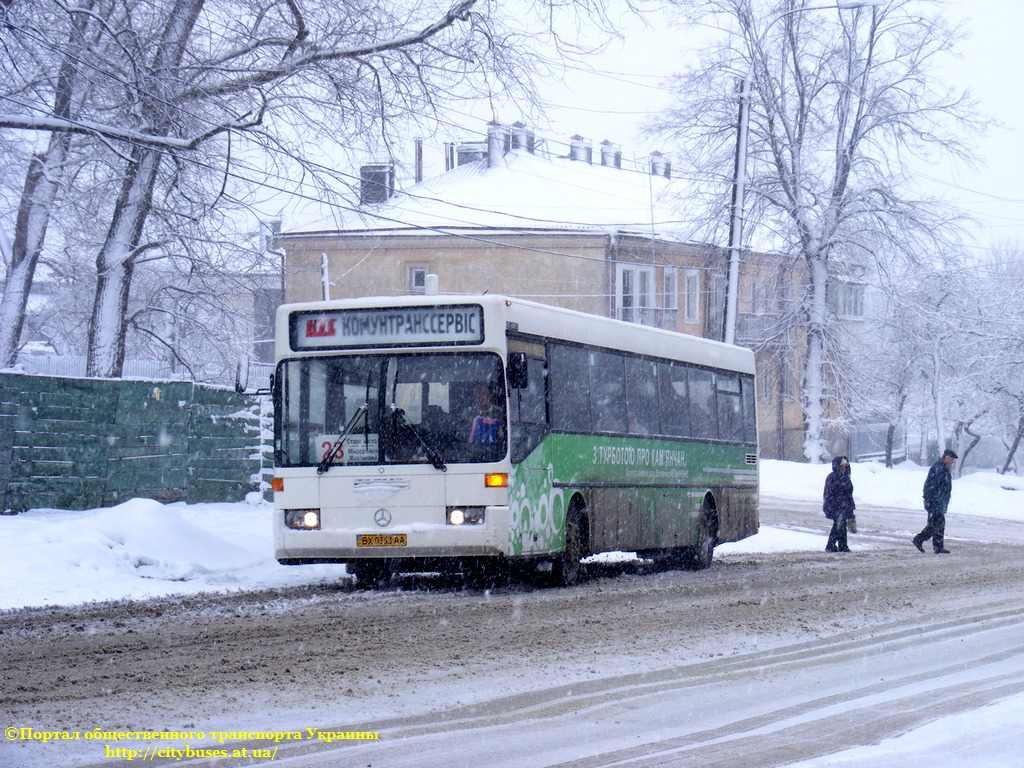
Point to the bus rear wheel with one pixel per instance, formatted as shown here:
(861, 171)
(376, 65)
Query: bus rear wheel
(701, 554)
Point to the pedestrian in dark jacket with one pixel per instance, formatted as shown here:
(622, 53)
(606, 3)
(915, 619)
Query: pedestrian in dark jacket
(838, 503)
(938, 487)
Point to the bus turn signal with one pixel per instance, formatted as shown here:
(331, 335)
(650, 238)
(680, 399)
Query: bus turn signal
(496, 480)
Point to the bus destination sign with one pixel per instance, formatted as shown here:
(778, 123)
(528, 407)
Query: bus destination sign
(390, 327)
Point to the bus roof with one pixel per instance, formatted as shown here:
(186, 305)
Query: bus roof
(533, 318)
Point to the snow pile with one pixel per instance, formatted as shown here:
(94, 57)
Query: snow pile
(142, 549)
(985, 494)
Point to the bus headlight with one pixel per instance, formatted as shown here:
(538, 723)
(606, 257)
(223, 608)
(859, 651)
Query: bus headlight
(465, 516)
(302, 519)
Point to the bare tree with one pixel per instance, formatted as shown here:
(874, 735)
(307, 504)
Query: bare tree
(165, 94)
(881, 382)
(840, 102)
(954, 337)
(24, 71)
(992, 348)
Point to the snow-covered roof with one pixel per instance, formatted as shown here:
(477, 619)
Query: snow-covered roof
(527, 191)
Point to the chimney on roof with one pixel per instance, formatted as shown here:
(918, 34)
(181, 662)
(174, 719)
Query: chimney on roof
(499, 141)
(611, 154)
(376, 183)
(522, 137)
(660, 165)
(581, 149)
(471, 151)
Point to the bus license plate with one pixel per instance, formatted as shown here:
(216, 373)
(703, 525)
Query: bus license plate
(381, 540)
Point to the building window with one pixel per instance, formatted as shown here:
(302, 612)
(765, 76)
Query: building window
(634, 293)
(757, 296)
(691, 298)
(670, 298)
(670, 285)
(417, 279)
(265, 304)
(850, 301)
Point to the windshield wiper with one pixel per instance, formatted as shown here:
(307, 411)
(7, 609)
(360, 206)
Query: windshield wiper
(325, 463)
(435, 457)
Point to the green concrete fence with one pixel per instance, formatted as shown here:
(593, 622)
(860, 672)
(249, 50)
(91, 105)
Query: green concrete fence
(69, 443)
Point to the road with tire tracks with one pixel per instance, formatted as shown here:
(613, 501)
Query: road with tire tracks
(762, 660)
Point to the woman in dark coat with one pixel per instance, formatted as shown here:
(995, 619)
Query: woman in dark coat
(838, 504)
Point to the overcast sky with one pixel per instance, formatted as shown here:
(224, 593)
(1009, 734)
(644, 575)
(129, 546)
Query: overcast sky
(610, 102)
(611, 94)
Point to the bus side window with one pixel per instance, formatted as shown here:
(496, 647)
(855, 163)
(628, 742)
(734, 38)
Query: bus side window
(730, 407)
(569, 380)
(672, 400)
(749, 410)
(703, 411)
(642, 397)
(607, 392)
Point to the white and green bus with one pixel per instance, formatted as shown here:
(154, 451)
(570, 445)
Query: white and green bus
(481, 433)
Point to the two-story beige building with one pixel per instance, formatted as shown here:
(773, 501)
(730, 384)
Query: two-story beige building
(575, 231)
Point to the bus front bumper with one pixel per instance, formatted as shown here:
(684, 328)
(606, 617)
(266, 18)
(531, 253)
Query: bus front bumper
(334, 543)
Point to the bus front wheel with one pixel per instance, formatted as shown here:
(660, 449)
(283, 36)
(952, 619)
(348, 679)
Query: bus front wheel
(567, 568)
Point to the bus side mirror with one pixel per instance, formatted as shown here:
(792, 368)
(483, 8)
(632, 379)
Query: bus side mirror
(517, 378)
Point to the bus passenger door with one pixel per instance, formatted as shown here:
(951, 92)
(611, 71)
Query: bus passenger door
(528, 405)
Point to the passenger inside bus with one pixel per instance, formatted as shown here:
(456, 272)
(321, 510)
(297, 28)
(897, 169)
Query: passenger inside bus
(486, 427)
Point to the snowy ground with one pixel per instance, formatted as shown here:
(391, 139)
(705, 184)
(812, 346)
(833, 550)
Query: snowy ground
(143, 549)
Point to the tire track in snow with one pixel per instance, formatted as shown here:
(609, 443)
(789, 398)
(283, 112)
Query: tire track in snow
(781, 733)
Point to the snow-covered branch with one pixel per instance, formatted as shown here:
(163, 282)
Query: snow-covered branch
(91, 128)
(301, 54)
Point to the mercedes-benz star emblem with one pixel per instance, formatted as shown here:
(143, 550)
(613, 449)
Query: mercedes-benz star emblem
(382, 517)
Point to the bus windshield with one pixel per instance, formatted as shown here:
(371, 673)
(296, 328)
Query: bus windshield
(439, 408)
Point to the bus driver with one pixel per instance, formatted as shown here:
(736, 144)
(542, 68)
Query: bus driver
(487, 427)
